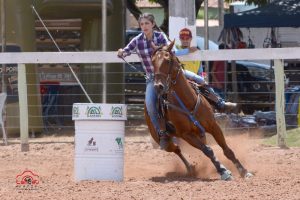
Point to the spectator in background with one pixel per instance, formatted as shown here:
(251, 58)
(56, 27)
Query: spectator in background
(185, 36)
(218, 75)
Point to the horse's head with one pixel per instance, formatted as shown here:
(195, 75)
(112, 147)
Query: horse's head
(166, 68)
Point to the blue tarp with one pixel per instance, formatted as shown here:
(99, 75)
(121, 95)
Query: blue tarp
(278, 13)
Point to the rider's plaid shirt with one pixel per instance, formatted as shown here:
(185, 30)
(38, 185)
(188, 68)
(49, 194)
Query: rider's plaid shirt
(144, 50)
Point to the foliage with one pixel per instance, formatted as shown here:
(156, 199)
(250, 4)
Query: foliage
(292, 139)
(212, 14)
(165, 4)
(255, 2)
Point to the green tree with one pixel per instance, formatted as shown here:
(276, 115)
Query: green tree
(165, 4)
(255, 2)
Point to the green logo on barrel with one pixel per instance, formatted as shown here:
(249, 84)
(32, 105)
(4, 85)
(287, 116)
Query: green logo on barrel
(75, 111)
(119, 141)
(117, 111)
(93, 111)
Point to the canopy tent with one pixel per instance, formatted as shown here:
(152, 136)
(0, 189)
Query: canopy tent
(279, 13)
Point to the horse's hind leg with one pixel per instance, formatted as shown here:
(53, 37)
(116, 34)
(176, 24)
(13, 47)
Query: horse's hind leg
(220, 139)
(197, 143)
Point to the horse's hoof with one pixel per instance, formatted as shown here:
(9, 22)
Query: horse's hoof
(248, 175)
(226, 176)
(191, 171)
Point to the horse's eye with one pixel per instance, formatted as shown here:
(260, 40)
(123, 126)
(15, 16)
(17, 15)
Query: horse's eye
(167, 56)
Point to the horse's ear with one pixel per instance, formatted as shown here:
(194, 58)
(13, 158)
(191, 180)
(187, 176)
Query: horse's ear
(170, 47)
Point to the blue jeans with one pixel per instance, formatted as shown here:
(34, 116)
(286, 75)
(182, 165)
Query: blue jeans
(194, 77)
(151, 96)
(151, 99)
(220, 92)
(200, 80)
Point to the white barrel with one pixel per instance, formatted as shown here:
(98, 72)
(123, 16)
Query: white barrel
(99, 141)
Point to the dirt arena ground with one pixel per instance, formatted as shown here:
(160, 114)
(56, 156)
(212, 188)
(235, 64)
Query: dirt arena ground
(151, 173)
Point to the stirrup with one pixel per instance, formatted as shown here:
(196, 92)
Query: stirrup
(164, 139)
(163, 134)
(229, 107)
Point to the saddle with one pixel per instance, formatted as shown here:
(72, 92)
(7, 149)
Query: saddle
(206, 91)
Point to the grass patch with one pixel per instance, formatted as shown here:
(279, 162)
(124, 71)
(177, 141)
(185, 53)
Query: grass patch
(292, 139)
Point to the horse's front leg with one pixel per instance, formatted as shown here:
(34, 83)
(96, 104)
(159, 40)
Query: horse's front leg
(190, 168)
(171, 146)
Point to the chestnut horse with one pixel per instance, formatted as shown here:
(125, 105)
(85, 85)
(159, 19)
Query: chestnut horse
(188, 114)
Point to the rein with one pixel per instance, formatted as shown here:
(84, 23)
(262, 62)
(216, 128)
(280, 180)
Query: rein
(132, 66)
(169, 75)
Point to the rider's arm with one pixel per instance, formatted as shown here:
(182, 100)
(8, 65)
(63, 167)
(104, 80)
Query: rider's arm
(194, 77)
(181, 52)
(131, 46)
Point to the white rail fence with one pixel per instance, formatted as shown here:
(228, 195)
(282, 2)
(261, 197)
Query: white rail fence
(276, 54)
(110, 57)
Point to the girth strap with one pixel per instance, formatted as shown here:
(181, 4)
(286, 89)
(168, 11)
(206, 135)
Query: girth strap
(196, 106)
(184, 110)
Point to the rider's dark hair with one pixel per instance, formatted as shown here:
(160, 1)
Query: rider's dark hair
(150, 17)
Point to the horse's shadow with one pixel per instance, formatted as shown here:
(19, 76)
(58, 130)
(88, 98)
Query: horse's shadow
(179, 177)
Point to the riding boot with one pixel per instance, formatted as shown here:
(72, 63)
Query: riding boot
(216, 100)
(223, 106)
(164, 139)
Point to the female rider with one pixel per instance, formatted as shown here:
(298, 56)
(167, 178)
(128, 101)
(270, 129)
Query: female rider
(144, 44)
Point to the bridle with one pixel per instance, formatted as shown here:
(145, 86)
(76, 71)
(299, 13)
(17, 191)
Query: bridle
(169, 80)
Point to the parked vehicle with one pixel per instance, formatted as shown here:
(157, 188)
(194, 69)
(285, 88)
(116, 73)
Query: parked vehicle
(255, 86)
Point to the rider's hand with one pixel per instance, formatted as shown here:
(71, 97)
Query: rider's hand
(192, 49)
(153, 46)
(120, 53)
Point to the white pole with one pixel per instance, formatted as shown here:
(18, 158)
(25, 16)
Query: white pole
(280, 103)
(206, 37)
(22, 88)
(104, 78)
(4, 76)
(3, 47)
(221, 12)
(206, 25)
